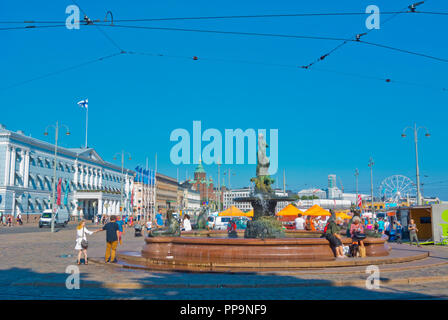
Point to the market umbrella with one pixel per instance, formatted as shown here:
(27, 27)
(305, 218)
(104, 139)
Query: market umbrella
(316, 210)
(289, 210)
(232, 211)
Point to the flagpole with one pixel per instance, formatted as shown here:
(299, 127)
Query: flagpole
(146, 191)
(87, 121)
(155, 188)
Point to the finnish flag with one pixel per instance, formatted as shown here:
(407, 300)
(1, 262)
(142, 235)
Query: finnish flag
(83, 103)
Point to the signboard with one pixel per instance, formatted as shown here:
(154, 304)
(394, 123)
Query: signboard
(439, 221)
(391, 205)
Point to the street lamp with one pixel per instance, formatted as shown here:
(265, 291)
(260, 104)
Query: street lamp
(416, 129)
(371, 163)
(53, 197)
(356, 178)
(121, 179)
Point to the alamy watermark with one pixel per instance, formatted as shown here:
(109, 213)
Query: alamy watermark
(373, 280)
(72, 281)
(212, 152)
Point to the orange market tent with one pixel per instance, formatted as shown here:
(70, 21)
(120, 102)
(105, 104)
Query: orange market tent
(343, 215)
(316, 210)
(289, 210)
(249, 213)
(232, 212)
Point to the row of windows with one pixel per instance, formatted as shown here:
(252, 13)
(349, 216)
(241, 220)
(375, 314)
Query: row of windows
(70, 168)
(46, 183)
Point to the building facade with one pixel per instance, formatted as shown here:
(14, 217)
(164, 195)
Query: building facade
(230, 195)
(144, 199)
(166, 193)
(189, 200)
(89, 185)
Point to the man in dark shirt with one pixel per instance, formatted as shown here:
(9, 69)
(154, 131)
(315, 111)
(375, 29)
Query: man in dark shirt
(112, 235)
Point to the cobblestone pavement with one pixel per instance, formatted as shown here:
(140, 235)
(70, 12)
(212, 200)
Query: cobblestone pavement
(33, 265)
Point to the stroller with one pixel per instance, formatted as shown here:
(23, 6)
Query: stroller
(137, 230)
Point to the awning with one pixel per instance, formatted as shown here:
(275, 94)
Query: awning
(289, 210)
(232, 211)
(316, 210)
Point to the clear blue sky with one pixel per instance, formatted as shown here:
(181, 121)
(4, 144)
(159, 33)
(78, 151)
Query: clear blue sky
(328, 123)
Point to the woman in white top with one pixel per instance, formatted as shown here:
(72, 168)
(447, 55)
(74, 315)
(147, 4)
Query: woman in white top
(187, 223)
(81, 232)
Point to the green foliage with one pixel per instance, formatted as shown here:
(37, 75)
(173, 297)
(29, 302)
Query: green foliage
(264, 228)
(263, 183)
(309, 197)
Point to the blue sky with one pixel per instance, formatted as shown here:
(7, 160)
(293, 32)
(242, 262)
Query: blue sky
(327, 122)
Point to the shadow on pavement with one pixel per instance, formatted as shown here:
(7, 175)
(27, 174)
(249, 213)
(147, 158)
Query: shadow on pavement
(23, 283)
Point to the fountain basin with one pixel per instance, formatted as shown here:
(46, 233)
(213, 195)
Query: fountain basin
(210, 253)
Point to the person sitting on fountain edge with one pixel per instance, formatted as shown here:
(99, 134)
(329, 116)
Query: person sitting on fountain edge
(231, 229)
(334, 238)
(300, 222)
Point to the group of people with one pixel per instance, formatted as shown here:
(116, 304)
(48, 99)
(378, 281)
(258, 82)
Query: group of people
(356, 229)
(113, 238)
(310, 223)
(7, 220)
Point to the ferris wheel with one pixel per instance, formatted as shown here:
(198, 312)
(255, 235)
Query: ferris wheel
(397, 187)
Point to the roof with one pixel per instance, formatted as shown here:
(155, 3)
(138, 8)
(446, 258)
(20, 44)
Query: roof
(88, 154)
(317, 210)
(232, 211)
(289, 210)
(199, 168)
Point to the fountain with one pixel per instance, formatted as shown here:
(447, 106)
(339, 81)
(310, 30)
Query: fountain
(265, 245)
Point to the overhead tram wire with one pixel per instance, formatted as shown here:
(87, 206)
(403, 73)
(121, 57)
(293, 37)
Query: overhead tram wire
(32, 27)
(62, 70)
(291, 66)
(276, 35)
(90, 22)
(286, 15)
(357, 36)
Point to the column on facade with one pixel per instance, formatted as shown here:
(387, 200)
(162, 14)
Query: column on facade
(91, 177)
(100, 206)
(27, 169)
(95, 179)
(7, 165)
(100, 183)
(81, 174)
(75, 178)
(12, 174)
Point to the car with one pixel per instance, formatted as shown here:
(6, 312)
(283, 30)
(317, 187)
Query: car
(220, 223)
(61, 219)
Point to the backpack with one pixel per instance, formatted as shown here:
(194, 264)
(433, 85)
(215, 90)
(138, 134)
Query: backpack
(326, 227)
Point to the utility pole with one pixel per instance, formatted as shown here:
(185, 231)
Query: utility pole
(356, 179)
(284, 181)
(53, 197)
(415, 129)
(219, 187)
(121, 178)
(371, 163)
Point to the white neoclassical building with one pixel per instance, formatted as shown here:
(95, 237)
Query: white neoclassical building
(89, 185)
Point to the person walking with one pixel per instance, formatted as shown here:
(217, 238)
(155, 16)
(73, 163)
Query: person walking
(120, 229)
(413, 233)
(19, 219)
(81, 240)
(187, 223)
(159, 219)
(112, 234)
(399, 232)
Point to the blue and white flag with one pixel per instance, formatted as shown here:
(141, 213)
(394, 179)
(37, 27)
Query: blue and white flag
(83, 103)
